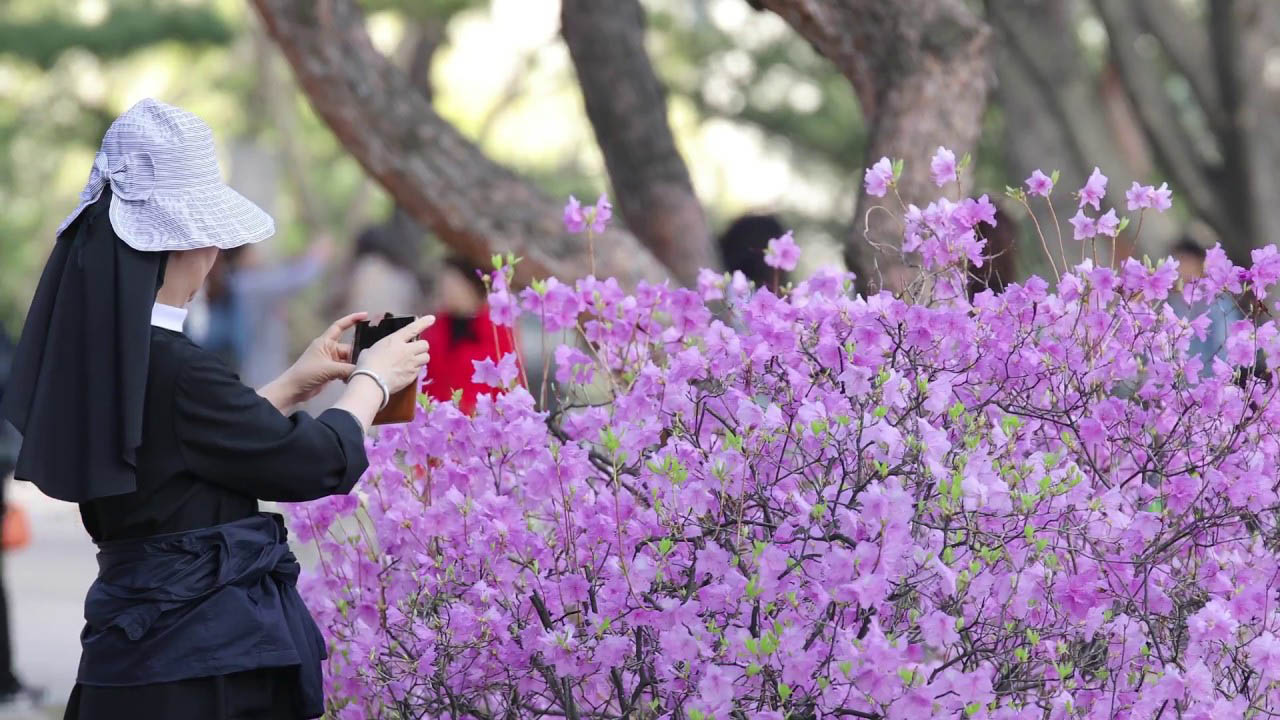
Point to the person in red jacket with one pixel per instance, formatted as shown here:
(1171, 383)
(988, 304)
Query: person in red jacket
(462, 334)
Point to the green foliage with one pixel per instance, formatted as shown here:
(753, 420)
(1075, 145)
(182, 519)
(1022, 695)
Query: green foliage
(122, 32)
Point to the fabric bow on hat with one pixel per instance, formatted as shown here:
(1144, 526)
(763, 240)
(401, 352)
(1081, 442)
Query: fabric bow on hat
(132, 176)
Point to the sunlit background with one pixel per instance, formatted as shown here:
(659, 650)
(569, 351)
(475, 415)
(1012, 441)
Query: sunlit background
(763, 123)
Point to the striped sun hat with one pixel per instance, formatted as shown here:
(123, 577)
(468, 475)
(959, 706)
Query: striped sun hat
(166, 189)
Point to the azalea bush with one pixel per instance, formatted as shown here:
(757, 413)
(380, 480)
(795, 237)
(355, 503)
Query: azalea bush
(813, 504)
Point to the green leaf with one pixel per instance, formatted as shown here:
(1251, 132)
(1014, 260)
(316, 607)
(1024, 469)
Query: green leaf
(753, 669)
(972, 708)
(496, 259)
(1054, 177)
(846, 667)
(881, 411)
(1021, 653)
(784, 691)
(696, 714)
(753, 587)
(665, 546)
(897, 169)
(1124, 223)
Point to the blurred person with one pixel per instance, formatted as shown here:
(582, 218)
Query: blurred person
(463, 334)
(998, 268)
(224, 330)
(12, 691)
(1222, 313)
(381, 275)
(252, 324)
(743, 245)
(194, 614)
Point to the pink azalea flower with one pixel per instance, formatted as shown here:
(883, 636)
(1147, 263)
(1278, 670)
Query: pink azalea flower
(1094, 190)
(1108, 224)
(879, 177)
(1085, 226)
(601, 214)
(943, 167)
(575, 220)
(1039, 184)
(782, 253)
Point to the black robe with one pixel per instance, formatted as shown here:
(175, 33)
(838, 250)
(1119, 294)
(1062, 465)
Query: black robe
(211, 448)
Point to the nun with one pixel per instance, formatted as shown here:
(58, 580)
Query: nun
(194, 614)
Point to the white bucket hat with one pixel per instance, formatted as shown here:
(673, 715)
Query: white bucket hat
(166, 189)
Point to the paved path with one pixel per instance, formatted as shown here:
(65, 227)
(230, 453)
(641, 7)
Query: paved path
(46, 582)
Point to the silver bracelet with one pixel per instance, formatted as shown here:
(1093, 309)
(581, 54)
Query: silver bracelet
(386, 394)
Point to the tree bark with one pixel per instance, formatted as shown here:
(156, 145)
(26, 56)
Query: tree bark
(1199, 179)
(920, 71)
(627, 107)
(446, 183)
(1053, 119)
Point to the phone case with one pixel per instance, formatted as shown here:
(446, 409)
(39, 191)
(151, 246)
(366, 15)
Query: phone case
(400, 407)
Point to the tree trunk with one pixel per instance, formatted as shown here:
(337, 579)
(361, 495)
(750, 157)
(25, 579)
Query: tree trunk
(446, 183)
(920, 71)
(627, 107)
(1199, 179)
(1053, 119)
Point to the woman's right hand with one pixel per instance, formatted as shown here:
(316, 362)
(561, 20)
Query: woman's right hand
(399, 357)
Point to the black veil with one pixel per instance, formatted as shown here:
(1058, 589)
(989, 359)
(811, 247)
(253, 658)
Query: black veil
(79, 375)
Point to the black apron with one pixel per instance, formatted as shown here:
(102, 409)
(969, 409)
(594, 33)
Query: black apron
(214, 601)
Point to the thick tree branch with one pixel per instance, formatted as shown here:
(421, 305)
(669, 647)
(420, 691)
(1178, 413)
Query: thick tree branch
(919, 68)
(627, 107)
(445, 182)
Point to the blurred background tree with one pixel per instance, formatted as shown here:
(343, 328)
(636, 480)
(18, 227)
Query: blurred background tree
(769, 105)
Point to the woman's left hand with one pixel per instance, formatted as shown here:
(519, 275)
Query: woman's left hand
(326, 359)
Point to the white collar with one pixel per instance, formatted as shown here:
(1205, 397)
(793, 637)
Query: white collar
(168, 317)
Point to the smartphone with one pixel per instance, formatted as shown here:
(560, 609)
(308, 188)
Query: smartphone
(400, 407)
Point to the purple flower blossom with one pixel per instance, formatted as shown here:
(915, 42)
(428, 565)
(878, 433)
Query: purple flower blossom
(879, 177)
(1142, 197)
(723, 511)
(578, 219)
(575, 220)
(501, 374)
(1094, 190)
(943, 167)
(782, 253)
(1108, 224)
(1085, 226)
(601, 214)
(1039, 184)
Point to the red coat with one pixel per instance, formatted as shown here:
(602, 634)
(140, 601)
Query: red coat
(455, 343)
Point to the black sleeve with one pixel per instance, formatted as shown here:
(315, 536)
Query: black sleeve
(231, 436)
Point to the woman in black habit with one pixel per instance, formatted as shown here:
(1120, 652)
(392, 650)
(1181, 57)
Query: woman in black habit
(194, 614)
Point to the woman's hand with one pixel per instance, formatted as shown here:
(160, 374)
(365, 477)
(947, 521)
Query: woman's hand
(399, 357)
(326, 359)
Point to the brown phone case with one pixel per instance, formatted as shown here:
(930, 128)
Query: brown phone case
(400, 407)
